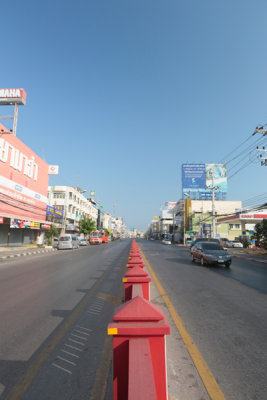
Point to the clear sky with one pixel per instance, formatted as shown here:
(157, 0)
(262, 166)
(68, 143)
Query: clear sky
(120, 93)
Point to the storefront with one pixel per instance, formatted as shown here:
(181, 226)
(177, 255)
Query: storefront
(23, 191)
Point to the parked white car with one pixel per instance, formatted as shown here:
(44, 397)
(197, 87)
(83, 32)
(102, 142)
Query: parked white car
(236, 243)
(228, 243)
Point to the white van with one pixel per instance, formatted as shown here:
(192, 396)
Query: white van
(68, 241)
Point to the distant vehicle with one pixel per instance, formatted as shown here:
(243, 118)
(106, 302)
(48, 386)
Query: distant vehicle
(236, 243)
(104, 237)
(152, 238)
(68, 241)
(95, 237)
(83, 242)
(204, 240)
(55, 243)
(188, 241)
(167, 239)
(210, 253)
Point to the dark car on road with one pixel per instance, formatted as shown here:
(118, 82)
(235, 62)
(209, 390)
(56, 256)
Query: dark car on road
(210, 253)
(201, 239)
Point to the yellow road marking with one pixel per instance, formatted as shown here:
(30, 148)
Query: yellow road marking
(107, 297)
(208, 379)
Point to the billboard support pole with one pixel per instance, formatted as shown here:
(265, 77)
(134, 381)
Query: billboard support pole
(213, 209)
(15, 121)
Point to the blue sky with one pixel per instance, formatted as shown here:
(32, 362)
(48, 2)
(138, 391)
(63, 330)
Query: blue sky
(120, 93)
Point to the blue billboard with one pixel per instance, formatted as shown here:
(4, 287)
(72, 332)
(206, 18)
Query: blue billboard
(194, 176)
(198, 179)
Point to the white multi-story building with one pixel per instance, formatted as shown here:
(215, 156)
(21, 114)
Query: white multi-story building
(74, 205)
(106, 221)
(118, 227)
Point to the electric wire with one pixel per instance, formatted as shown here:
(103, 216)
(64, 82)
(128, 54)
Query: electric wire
(231, 152)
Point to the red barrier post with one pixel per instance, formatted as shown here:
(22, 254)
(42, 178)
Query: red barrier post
(138, 319)
(136, 276)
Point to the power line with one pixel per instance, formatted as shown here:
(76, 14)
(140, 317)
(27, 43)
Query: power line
(231, 152)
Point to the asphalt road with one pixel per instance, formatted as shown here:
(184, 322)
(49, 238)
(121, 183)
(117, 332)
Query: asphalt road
(54, 310)
(225, 313)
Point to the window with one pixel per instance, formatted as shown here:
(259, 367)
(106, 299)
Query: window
(70, 206)
(70, 195)
(237, 226)
(231, 226)
(59, 195)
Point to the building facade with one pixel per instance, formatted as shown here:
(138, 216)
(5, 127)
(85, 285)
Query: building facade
(23, 192)
(74, 205)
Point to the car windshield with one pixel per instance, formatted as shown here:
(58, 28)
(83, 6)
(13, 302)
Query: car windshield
(211, 246)
(64, 239)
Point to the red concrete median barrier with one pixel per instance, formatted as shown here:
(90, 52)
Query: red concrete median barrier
(136, 276)
(137, 320)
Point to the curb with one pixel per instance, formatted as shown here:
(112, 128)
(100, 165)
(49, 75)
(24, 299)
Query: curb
(250, 259)
(27, 253)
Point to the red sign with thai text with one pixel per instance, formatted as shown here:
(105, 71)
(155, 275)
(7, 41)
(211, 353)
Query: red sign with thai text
(23, 180)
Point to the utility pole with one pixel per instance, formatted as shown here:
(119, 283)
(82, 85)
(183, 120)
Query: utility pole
(185, 195)
(213, 188)
(213, 209)
(260, 129)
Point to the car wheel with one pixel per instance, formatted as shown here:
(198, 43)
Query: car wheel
(202, 262)
(192, 258)
(227, 265)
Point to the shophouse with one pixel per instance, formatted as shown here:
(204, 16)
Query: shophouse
(197, 215)
(75, 206)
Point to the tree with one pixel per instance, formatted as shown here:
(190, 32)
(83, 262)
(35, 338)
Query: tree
(261, 233)
(87, 225)
(51, 233)
(108, 232)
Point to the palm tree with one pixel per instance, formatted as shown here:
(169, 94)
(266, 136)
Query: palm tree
(87, 226)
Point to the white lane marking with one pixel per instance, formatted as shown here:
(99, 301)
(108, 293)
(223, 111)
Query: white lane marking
(79, 337)
(67, 361)
(69, 353)
(94, 307)
(63, 369)
(92, 312)
(72, 347)
(82, 333)
(82, 327)
(75, 341)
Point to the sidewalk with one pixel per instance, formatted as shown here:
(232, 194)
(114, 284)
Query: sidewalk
(21, 251)
(249, 254)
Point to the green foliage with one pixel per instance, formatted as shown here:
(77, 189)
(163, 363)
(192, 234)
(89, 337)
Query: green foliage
(108, 232)
(51, 232)
(261, 234)
(87, 225)
(245, 243)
